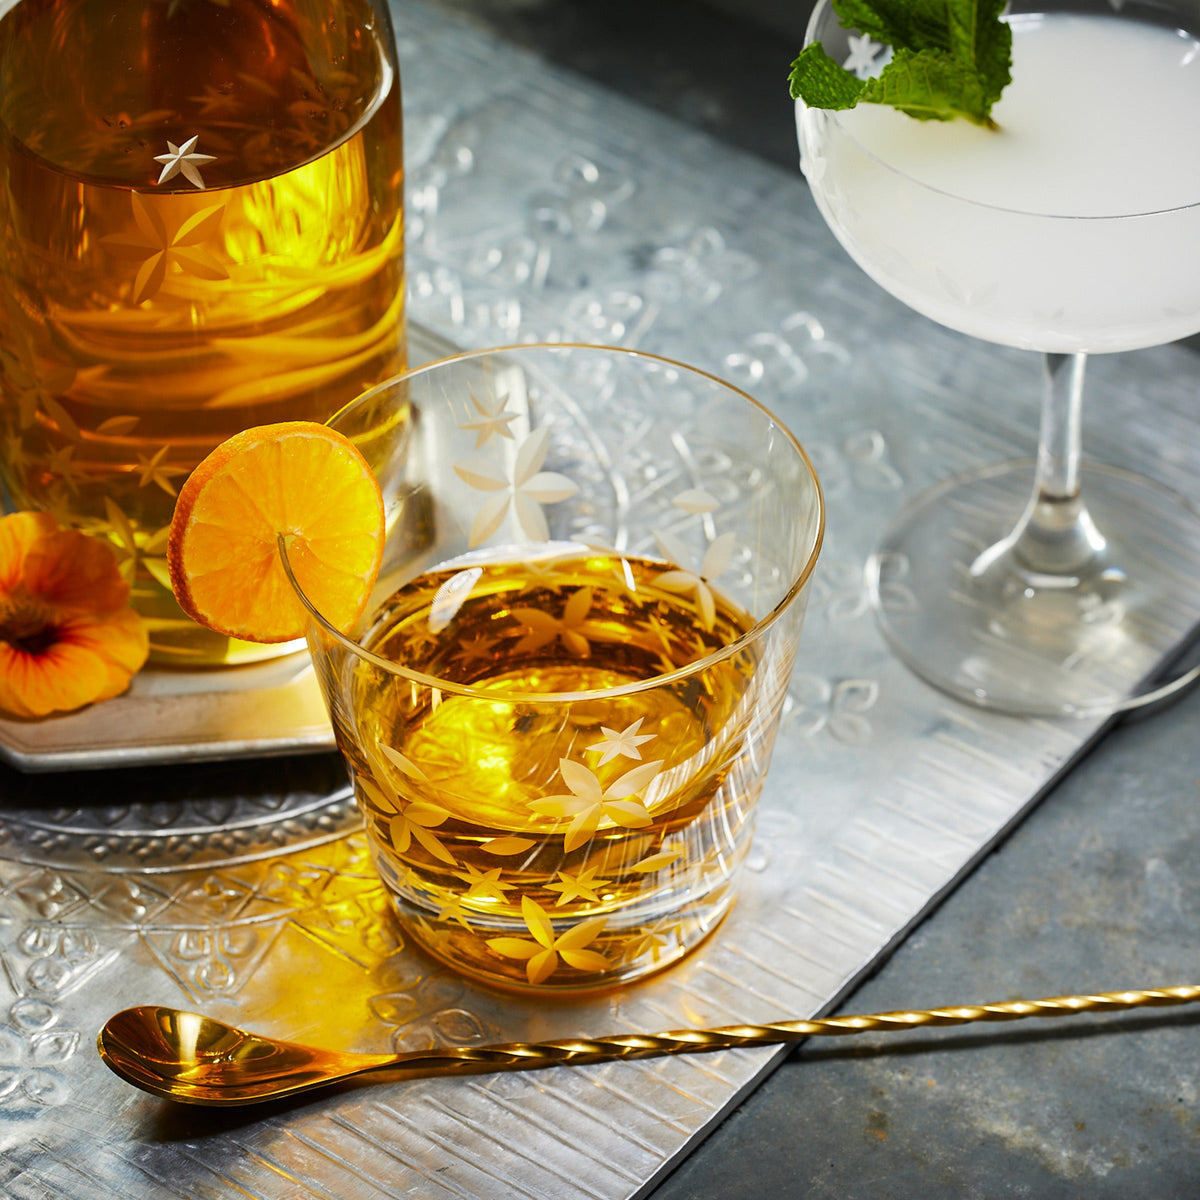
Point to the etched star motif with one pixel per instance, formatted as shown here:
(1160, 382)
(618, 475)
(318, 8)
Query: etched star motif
(121, 537)
(863, 53)
(15, 453)
(38, 385)
(155, 470)
(60, 465)
(452, 910)
(183, 160)
(215, 102)
(581, 886)
(495, 420)
(478, 650)
(483, 885)
(407, 822)
(652, 942)
(57, 502)
(626, 742)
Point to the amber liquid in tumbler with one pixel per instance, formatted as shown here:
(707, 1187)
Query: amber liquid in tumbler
(142, 323)
(480, 816)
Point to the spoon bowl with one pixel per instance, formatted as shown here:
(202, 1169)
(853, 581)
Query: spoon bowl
(195, 1059)
(200, 1060)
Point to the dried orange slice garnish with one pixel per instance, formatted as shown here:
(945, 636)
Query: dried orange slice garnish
(298, 479)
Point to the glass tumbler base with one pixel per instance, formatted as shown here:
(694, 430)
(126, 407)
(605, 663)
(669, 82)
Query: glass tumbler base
(634, 950)
(959, 608)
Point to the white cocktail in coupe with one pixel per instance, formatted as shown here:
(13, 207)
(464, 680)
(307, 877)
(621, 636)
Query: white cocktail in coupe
(1067, 222)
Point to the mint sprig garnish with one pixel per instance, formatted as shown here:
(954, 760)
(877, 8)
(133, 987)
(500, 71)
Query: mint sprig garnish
(950, 58)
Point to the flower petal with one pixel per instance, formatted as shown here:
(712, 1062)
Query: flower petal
(541, 966)
(633, 781)
(480, 474)
(71, 571)
(119, 641)
(383, 798)
(718, 555)
(696, 500)
(451, 596)
(504, 846)
(514, 947)
(559, 806)
(548, 487)
(531, 454)
(576, 643)
(581, 935)
(672, 549)
(427, 815)
(677, 581)
(531, 518)
(655, 861)
(629, 814)
(62, 678)
(489, 518)
(706, 604)
(431, 843)
(578, 606)
(18, 533)
(580, 779)
(398, 760)
(586, 960)
(538, 922)
(582, 828)
(535, 618)
(91, 659)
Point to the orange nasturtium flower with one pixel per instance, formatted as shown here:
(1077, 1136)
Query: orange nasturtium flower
(67, 634)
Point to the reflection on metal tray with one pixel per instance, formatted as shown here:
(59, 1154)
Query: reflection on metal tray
(172, 715)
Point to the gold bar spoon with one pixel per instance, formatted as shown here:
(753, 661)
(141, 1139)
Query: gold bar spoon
(197, 1060)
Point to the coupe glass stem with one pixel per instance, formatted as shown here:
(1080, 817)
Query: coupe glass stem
(1055, 541)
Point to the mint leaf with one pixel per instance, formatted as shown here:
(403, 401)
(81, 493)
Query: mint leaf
(821, 82)
(993, 47)
(951, 58)
(913, 24)
(930, 86)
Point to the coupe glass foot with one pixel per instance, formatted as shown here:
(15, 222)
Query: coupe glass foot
(965, 609)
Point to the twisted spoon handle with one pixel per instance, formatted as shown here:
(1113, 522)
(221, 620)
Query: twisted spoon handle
(522, 1056)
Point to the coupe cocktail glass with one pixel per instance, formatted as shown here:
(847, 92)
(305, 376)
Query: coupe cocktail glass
(559, 708)
(1073, 230)
(200, 230)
